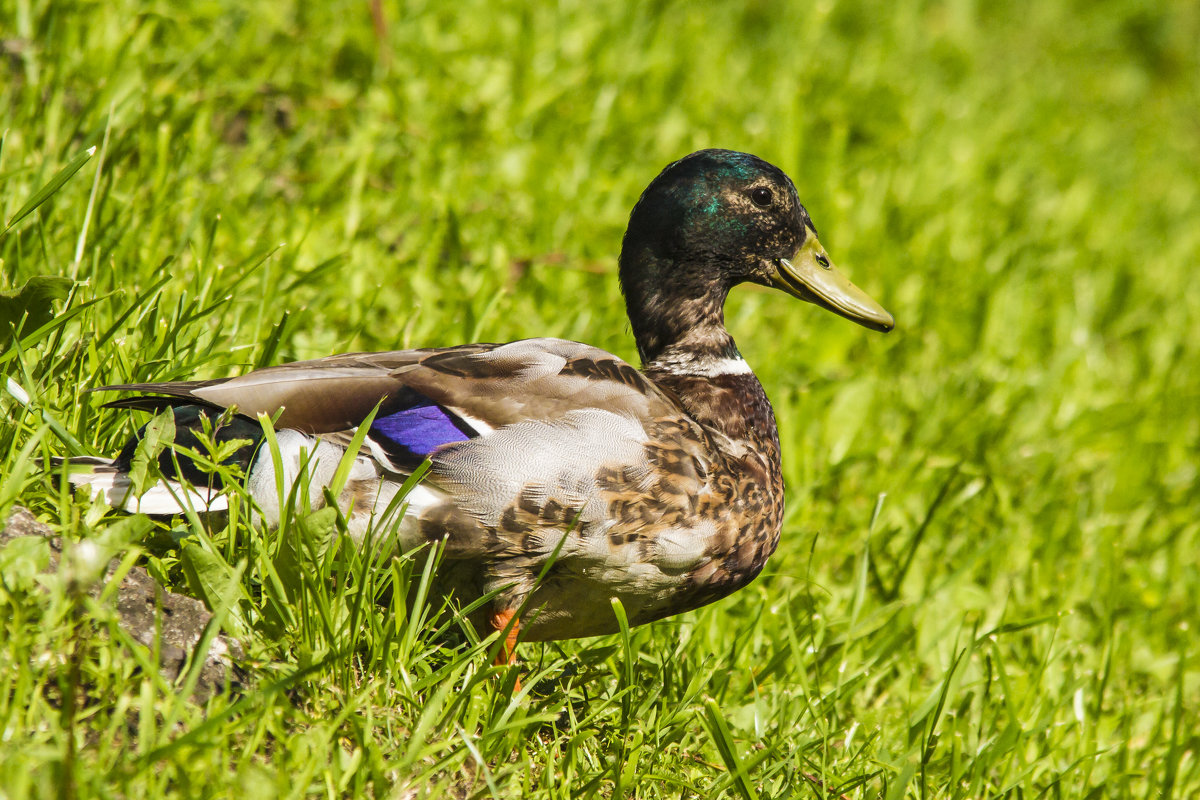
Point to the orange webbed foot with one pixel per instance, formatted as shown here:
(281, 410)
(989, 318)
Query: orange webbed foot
(507, 656)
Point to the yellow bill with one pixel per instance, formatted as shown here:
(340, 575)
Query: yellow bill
(811, 276)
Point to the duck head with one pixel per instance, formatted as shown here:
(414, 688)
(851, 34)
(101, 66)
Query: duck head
(708, 222)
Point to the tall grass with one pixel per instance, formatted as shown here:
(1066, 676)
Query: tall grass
(986, 585)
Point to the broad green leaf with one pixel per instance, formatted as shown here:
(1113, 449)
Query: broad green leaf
(851, 407)
(31, 306)
(207, 573)
(158, 433)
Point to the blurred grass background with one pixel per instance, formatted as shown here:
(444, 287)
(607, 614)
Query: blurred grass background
(987, 584)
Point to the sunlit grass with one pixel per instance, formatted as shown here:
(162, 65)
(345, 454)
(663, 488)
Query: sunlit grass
(988, 576)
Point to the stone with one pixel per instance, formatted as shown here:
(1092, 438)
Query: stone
(147, 610)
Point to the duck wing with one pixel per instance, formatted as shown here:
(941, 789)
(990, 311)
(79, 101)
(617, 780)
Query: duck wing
(426, 398)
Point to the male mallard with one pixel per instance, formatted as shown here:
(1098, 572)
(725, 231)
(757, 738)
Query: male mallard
(660, 487)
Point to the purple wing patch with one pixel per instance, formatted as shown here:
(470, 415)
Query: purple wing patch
(418, 430)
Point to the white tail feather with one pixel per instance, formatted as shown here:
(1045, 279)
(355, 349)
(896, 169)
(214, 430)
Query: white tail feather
(164, 498)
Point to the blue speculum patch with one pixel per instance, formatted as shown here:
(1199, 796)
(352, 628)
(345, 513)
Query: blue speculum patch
(419, 429)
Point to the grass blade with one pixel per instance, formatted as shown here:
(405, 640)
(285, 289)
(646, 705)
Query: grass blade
(47, 191)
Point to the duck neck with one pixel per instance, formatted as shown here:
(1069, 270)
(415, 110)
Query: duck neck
(678, 321)
(677, 311)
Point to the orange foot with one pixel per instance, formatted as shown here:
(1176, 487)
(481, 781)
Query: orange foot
(507, 656)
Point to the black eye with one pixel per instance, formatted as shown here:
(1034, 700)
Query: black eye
(761, 196)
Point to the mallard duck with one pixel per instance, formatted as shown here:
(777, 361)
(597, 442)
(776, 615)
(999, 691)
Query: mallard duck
(659, 486)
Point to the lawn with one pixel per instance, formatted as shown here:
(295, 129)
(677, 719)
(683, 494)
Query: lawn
(988, 579)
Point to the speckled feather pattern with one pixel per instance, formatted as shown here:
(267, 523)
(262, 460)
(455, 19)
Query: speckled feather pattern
(665, 505)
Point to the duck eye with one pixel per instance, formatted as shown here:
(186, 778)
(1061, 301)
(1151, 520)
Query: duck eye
(761, 196)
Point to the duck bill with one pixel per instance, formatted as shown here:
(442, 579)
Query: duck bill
(811, 276)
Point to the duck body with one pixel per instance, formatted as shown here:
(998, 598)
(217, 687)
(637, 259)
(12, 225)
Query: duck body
(560, 477)
(573, 451)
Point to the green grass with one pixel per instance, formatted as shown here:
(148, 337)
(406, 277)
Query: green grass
(988, 577)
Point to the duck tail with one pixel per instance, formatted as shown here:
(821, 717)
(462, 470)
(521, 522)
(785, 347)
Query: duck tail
(103, 477)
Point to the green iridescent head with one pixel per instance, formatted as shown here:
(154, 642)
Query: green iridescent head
(717, 218)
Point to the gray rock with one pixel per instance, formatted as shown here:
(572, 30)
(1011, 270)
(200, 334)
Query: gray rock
(147, 611)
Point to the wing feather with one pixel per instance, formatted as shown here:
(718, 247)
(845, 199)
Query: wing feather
(495, 385)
